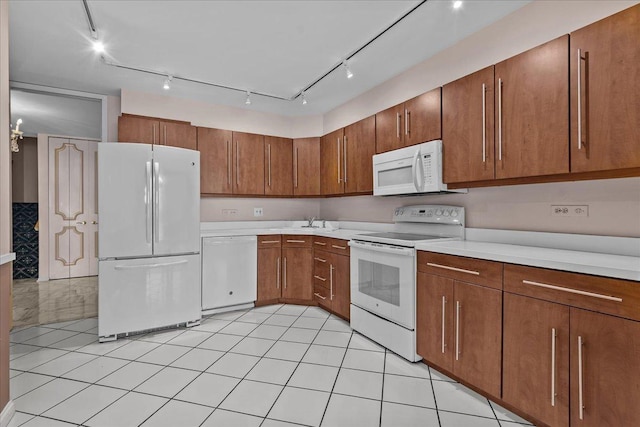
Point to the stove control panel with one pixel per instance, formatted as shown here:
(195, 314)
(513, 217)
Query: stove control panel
(436, 214)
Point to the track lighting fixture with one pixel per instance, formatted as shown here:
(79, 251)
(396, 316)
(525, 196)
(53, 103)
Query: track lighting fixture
(167, 83)
(304, 99)
(457, 4)
(248, 100)
(347, 69)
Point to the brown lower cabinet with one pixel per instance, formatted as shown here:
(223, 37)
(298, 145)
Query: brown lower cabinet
(285, 265)
(332, 275)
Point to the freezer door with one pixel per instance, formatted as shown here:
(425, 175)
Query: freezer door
(124, 200)
(176, 205)
(140, 294)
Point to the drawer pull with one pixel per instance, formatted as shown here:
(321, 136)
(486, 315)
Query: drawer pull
(320, 296)
(269, 241)
(320, 243)
(580, 379)
(573, 291)
(553, 366)
(459, 270)
(320, 278)
(320, 259)
(296, 241)
(339, 247)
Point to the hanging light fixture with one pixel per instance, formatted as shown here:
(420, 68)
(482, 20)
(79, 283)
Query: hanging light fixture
(347, 69)
(248, 100)
(167, 83)
(304, 98)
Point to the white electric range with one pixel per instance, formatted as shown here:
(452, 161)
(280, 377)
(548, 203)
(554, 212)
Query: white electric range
(383, 274)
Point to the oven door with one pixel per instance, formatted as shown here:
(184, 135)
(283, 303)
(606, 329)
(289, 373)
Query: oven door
(383, 281)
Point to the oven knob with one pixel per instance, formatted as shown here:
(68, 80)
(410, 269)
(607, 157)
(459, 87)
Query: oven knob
(454, 213)
(439, 212)
(397, 212)
(446, 213)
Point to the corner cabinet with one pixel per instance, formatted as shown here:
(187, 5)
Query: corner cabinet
(605, 93)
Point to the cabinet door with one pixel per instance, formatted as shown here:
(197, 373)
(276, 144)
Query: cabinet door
(138, 129)
(216, 155)
(341, 285)
(390, 129)
(248, 163)
(467, 128)
(477, 353)
(269, 274)
(609, 359)
(609, 106)
(331, 163)
(434, 328)
(278, 161)
(532, 117)
(297, 270)
(180, 135)
(358, 150)
(423, 118)
(535, 376)
(306, 167)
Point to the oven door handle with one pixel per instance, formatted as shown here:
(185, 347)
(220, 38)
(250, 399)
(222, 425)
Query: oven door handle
(384, 249)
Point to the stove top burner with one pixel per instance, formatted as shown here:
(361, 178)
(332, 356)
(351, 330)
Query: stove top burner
(401, 236)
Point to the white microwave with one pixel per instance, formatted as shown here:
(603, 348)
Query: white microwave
(411, 170)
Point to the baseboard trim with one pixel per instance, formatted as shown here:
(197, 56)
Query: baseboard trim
(7, 413)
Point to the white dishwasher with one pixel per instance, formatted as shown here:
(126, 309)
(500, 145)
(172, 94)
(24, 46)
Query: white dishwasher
(229, 273)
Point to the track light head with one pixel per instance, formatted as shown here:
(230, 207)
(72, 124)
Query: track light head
(304, 99)
(98, 46)
(347, 69)
(167, 83)
(457, 4)
(248, 100)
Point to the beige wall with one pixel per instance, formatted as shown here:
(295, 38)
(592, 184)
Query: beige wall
(5, 205)
(24, 174)
(274, 209)
(113, 111)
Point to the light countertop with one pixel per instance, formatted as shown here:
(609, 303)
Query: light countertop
(340, 233)
(619, 266)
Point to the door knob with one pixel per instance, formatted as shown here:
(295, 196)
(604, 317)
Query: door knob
(81, 222)
(94, 222)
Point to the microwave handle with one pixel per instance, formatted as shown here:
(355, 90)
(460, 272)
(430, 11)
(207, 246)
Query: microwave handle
(418, 183)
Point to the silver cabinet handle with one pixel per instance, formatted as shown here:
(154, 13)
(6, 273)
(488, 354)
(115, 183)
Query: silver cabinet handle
(285, 272)
(237, 164)
(147, 201)
(572, 291)
(579, 103)
(321, 278)
(553, 366)
(320, 296)
(228, 163)
(338, 247)
(82, 222)
(153, 128)
(269, 158)
(295, 169)
(344, 156)
(320, 243)
(94, 222)
(338, 144)
(278, 273)
(331, 268)
(295, 241)
(320, 259)
(499, 119)
(580, 379)
(165, 135)
(457, 330)
(406, 121)
(264, 242)
(484, 123)
(459, 270)
(398, 126)
(444, 303)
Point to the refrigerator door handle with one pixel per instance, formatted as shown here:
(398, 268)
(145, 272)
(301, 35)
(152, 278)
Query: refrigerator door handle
(147, 201)
(156, 202)
(156, 265)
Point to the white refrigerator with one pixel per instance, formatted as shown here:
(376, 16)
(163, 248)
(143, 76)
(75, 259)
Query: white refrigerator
(149, 238)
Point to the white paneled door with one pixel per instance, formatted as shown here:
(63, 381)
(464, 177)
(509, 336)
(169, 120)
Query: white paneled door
(73, 208)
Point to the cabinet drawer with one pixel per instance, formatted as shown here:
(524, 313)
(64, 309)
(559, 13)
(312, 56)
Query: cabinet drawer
(321, 262)
(321, 296)
(296, 241)
(269, 241)
(477, 271)
(606, 295)
(338, 246)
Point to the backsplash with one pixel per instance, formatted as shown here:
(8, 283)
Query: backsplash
(25, 240)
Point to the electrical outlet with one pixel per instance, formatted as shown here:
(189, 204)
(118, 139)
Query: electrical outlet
(229, 212)
(570, 210)
(258, 212)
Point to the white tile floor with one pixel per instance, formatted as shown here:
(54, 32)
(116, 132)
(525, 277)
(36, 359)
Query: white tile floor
(274, 366)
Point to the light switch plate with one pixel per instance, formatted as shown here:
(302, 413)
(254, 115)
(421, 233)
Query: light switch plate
(570, 210)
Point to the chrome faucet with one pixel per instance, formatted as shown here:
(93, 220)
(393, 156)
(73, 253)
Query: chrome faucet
(310, 221)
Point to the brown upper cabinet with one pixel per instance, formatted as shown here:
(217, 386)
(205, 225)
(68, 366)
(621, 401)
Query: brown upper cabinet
(248, 163)
(412, 122)
(216, 157)
(532, 112)
(467, 128)
(149, 130)
(605, 93)
(346, 158)
(306, 167)
(278, 166)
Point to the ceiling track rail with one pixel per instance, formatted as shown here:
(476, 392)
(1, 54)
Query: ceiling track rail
(94, 34)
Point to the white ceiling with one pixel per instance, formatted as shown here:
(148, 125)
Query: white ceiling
(276, 47)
